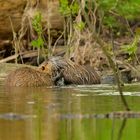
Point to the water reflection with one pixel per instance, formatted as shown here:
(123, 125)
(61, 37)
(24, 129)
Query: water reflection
(120, 133)
(73, 113)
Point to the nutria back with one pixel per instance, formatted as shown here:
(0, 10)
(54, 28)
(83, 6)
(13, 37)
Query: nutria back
(28, 77)
(73, 73)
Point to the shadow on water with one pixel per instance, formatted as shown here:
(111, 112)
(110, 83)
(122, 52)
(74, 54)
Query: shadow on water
(69, 113)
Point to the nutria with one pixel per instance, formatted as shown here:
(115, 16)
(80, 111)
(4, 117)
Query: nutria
(29, 77)
(72, 73)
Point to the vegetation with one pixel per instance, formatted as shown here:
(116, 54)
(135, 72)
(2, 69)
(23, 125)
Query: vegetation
(110, 17)
(39, 42)
(88, 23)
(36, 23)
(131, 49)
(112, 26)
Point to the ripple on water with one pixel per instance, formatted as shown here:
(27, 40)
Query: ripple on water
(106, 90)
(15, 116)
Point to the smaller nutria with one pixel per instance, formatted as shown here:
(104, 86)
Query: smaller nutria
(72, 73)
(29, 77)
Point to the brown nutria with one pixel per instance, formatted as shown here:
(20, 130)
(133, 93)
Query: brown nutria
(72, 73)
(29, 77)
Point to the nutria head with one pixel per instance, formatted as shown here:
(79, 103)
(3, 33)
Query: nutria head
(53, 65)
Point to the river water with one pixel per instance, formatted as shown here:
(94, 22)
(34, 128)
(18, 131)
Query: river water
(67, 113)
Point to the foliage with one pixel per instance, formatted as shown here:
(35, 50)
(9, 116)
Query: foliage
(68, 9)
(114, 11)
(38, 42)
(80, 25)
(97, 15)
(36, 23)
(131, 48)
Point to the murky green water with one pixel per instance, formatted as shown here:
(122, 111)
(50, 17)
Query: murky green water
(66, 113)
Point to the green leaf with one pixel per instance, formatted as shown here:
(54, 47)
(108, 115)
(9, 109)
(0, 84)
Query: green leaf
(38, 43)
(131, 48)
(67, 9)
(74, 8)
(36, 23)
(34, 43)
(80, 26)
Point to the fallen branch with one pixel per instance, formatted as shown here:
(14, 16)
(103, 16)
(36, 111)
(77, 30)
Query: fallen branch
(9, 58)
(26, 54)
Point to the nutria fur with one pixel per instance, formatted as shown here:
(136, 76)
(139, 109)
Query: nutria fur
(90, 56)
(29, 77)
(72, 73)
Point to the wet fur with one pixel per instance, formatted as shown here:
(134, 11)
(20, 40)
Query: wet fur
(72, 73)
(28, 77)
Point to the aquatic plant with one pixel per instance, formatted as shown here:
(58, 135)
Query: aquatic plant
(37, 26)
(39, 41)
(131, 49)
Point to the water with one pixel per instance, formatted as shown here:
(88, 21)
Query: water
(67, 113)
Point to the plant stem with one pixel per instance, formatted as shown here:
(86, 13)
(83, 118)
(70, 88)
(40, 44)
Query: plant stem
(104, 47)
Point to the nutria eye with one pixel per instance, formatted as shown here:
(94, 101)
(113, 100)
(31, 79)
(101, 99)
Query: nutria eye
(72, 59)
(101, 58)
(43, 68)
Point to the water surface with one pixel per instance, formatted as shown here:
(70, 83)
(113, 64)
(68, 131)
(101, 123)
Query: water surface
(66, 113)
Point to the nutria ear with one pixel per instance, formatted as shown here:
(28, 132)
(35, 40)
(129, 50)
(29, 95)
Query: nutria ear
(101, 58)
(72, 59)
(43, 68)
